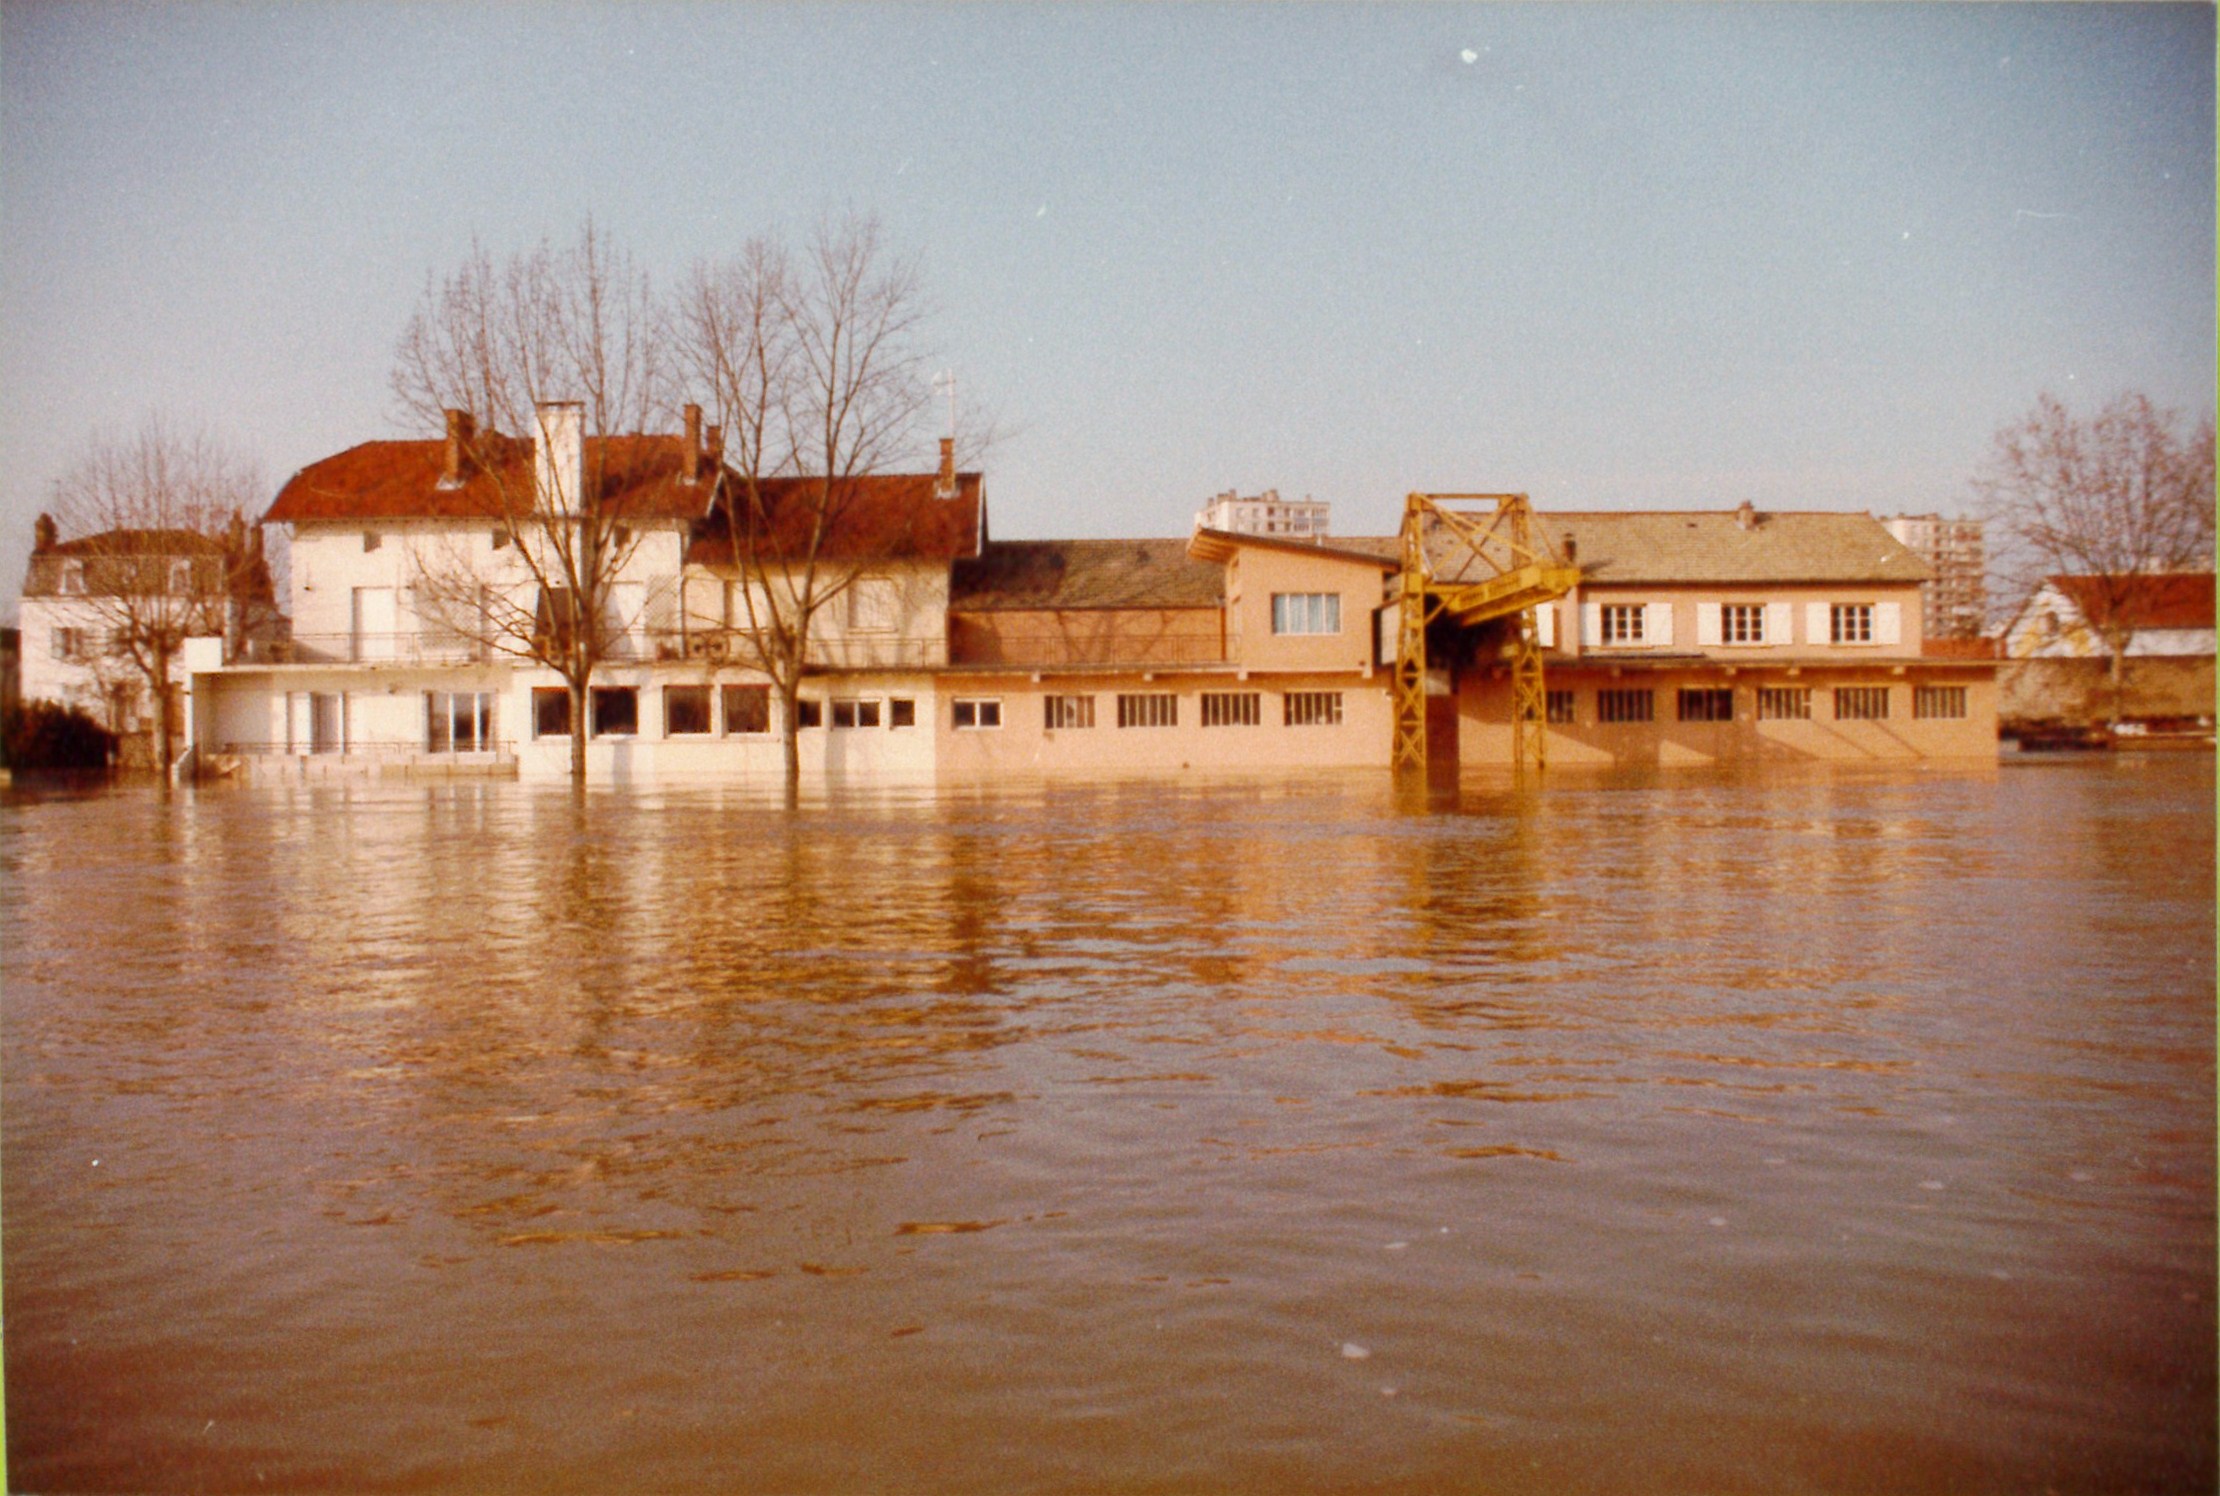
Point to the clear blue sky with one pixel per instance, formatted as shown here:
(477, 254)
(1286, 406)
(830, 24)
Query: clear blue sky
(1616, 256)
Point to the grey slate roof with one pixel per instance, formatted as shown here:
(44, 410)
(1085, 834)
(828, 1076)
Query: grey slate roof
(1013, 574)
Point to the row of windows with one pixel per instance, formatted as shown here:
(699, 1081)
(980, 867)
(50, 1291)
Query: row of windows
(744, 710)
(72, 581)
(1739, 623)
(1774, 704)
(463, 721)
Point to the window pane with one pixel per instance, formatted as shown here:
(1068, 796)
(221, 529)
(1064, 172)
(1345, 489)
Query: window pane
(550, 711)
(808, 713)
(685, 710)
(747, 709)
(901, 712)
(616, 711)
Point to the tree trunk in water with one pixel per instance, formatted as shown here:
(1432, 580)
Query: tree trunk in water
(578, 729)
(162, 742)
(790, 691)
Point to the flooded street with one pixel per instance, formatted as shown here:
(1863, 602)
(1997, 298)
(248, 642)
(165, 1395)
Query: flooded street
(1826, 1132)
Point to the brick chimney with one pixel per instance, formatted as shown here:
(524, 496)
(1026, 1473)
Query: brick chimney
(945, 488)
(44, 534)
(1746, 516)
(689, 459)
(559, 455)
(1571, 549)
(461, 428)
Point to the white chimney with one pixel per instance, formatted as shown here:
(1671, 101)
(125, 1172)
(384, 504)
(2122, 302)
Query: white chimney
(559, 455)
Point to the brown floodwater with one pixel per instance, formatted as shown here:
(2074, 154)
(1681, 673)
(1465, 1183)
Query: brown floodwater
(1827, 1132)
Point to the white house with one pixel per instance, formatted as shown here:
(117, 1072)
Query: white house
(406, 559)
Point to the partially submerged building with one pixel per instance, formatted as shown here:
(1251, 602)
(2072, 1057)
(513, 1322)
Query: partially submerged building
(2058, 671)
(1688, 638)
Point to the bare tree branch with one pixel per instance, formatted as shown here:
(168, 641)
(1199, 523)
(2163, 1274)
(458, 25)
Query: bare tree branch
(535, 367)
(160, 553)
(2109, 499)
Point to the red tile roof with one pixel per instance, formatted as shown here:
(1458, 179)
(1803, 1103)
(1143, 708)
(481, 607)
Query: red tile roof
(2166, 600)
(882, 516)
(401, 480)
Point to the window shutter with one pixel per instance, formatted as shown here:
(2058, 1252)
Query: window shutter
(1815, 624)
(1591, 625)
(1545, 625)
(1707, 624)
(1780, 623)
(1657, 627)
(1888, 623)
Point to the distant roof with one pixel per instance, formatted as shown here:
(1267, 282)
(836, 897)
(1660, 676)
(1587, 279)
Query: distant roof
(2163, 600)
(1711, 546)
(1219, 546)
(880, 516)
(115, 559)
(1012, 574)
(401, 480)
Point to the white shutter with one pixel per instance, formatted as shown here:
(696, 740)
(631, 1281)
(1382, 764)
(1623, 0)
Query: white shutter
(1780, 623)
(1657, 628)
(1545, 625)
(1707, 624)
(1591, 625)
(1888, 623)
(1815, 623)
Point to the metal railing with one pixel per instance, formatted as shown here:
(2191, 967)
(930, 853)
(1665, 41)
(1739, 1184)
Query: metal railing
(640, 646)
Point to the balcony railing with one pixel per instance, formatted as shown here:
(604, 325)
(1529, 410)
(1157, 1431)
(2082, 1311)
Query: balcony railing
(709, 645)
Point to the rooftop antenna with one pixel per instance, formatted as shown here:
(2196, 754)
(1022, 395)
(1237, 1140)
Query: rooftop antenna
(948, 377)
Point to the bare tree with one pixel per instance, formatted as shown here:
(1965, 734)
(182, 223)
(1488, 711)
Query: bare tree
(537, 366)
(160, 554)
(2110, 498)
(817, 370)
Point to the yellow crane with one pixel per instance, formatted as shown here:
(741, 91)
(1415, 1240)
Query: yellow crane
(1473, 565)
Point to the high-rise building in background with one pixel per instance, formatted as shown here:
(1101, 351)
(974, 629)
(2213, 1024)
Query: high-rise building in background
(1265, 514)
(1954, 604)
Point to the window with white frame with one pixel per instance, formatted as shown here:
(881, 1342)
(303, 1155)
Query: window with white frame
(1306, 612)
(1060, 712)
(459, 721)
(1560, 708)
(1624, 623)
(181, 578)
(73, 578)
(1231, 708)
(901, 711)
(976, 713)
(1313, 708)
(1938, 703)
(1148, 709)
(69, 643)
(1850, 623)
(1742, 623)
(1784, 703)
(854, 712)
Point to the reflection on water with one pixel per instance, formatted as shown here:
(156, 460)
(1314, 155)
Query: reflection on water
(1824, 1132)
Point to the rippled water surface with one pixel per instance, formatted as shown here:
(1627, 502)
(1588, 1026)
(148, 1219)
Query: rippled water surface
(1821, 1133)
